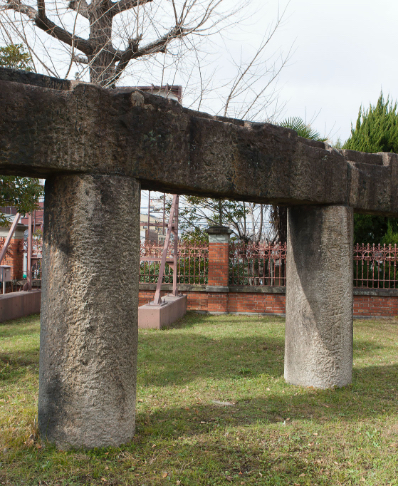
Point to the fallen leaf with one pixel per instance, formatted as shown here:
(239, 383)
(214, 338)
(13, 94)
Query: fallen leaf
(164, 475)
(301, 475)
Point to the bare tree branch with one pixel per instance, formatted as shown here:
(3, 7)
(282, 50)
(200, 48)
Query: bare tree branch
(80, 59)
(80, 6)
(123, 5)
(41, 20)
(133, 52)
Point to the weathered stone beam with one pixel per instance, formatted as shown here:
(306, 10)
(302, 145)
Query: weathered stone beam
(75, 127)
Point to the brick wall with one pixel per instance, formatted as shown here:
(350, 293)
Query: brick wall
(384, 305)
(14, 257)
(366, 301)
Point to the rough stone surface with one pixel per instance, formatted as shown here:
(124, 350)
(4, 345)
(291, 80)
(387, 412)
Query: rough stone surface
(93, 145)
(319, 298)
(88, 339)
(48, 128)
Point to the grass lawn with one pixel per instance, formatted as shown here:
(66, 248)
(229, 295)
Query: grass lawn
(269, 433)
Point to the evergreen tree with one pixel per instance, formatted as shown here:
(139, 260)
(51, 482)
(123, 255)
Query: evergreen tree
(14, 56)
(376, 130)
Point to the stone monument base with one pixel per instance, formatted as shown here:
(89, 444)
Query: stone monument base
(151, 316)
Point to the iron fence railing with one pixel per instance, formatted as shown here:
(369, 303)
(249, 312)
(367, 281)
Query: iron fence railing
(192, 266)
(375, 266)
(257, 264)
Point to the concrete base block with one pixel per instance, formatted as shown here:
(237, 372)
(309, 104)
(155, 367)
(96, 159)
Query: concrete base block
(19, 304)
(159, 316)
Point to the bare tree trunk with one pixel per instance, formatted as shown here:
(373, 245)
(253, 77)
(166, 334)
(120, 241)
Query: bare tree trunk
(279, 221)
(102, 61)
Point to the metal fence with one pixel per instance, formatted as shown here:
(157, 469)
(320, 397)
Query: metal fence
(192, 267)
(37, 251)
(375, 266)
(257, 264)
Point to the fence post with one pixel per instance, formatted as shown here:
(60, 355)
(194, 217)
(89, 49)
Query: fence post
(218, 269)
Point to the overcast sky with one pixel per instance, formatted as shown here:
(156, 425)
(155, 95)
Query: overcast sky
(344, 54)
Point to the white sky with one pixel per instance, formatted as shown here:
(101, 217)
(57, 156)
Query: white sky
(344, 54)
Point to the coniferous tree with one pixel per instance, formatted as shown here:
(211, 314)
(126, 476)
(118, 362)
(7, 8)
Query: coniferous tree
(376, 130)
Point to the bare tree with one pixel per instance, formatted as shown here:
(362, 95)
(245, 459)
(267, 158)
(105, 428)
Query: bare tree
(103, 40)
(248, 221)
(94, 45)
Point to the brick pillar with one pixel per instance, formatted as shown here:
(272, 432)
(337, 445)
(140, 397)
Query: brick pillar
(218, 268)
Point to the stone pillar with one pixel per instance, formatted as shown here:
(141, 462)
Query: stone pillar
(319, 298)
(218, 273)
(88, 339)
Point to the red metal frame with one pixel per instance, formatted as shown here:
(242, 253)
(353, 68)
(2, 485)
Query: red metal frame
(3, 251)
(172, 229)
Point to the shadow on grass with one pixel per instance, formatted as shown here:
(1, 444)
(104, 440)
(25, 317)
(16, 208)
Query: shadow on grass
(181, 358)
(371, 394)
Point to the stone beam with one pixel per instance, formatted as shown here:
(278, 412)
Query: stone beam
(50, 127)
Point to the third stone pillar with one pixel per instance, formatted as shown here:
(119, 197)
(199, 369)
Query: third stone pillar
(319, 296)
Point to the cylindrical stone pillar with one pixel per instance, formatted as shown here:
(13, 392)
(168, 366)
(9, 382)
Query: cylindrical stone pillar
(319, 298)
(218, 274)
(88, 338)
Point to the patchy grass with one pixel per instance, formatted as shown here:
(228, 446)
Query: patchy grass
(271, 434)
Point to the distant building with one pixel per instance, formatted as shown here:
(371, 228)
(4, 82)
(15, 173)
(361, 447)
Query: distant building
(153, 234)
